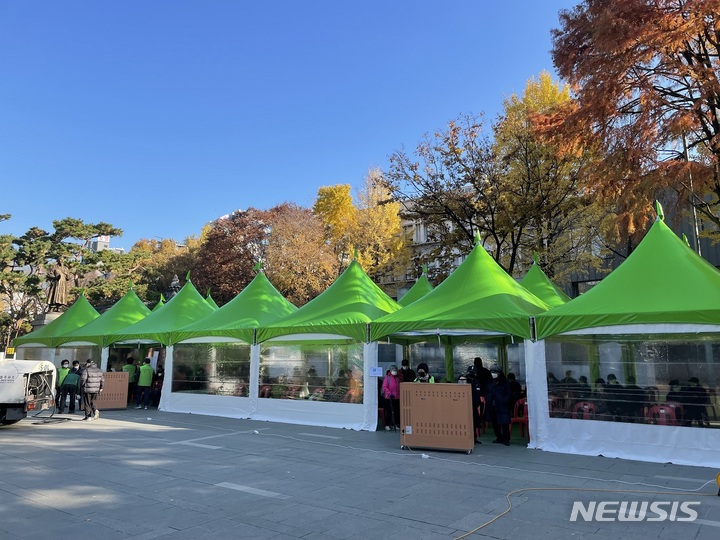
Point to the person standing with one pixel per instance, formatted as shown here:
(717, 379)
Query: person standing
(131, 369)
(91, 383)
(423, 374)
(497, 406)
(391, 393)
(61, 373)
(476, 392)
(482, 373)
(77, 367)
(406, 373)
(70, 386)
(145, 380)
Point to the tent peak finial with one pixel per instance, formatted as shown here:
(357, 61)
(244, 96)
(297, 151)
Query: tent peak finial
(659, 211)
(476, 240)
(536, 258)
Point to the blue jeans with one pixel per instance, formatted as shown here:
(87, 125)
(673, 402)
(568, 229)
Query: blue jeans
(142, 393)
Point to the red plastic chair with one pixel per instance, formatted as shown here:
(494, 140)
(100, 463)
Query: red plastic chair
(520, 416)
(584, 410)
(554, 406)
(678, 408)
(662, 415)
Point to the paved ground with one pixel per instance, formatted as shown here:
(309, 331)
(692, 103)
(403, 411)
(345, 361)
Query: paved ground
(164, 475)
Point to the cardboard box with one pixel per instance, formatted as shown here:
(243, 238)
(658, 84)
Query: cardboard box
(436, 416)
(115, 392)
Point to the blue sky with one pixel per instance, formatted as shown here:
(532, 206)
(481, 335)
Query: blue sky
(160, 116)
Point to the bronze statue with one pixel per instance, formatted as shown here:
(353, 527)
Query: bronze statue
(57, 276)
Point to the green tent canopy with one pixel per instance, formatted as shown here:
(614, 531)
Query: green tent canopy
(211, 302)
(421, 287)
(537, 282)
(662, 281)
(479, 296)
(345, 309)
(76, 316)
(259, 304)
(186, 307)
(126, 311)
(160, 303)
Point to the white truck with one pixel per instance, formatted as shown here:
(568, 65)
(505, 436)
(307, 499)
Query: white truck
(26, 387)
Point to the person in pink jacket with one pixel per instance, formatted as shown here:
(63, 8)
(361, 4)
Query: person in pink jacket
(391, 393)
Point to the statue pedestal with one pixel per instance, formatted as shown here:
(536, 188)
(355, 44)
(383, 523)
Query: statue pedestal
(43, 319)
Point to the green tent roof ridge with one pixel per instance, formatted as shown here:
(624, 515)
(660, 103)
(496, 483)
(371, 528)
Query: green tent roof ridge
(77, 315)
(211, 302)
(344, 309)
(478, 296)
(185, 307)
(126, 311)
(258, 304)
(419, 289)
(662, 281)
(537, 282)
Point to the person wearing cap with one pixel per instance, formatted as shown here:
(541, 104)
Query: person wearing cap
(423, 374)
(406, 373)
(391, 393)
(497, 406)
(91, 382)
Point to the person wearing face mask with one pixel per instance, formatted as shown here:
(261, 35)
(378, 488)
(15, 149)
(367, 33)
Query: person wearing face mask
(423, 374)
(406, 373)
(391, 393)
(497, 406)
(61, 374)
(70, 387)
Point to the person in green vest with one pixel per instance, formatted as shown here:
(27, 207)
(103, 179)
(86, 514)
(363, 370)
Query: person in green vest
(131, 369)
(71, 387)
(144, 385)
(61, 374)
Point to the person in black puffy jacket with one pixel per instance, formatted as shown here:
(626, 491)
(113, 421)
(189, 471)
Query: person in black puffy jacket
(91, 382)
(497, 406)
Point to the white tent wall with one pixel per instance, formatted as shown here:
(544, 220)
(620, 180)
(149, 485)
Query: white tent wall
(637, 441)
(35, 351)
(207, 404)
(104, 356)
(641, 442)
(370, 394)
(254, 378)
(354, 416)
(537, 391)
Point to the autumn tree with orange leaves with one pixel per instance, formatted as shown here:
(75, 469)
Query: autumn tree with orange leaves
(645, 75)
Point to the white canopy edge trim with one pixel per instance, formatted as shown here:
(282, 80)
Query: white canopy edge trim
(661, 328)
(212, 339)
(447, 332)
(308, 337)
